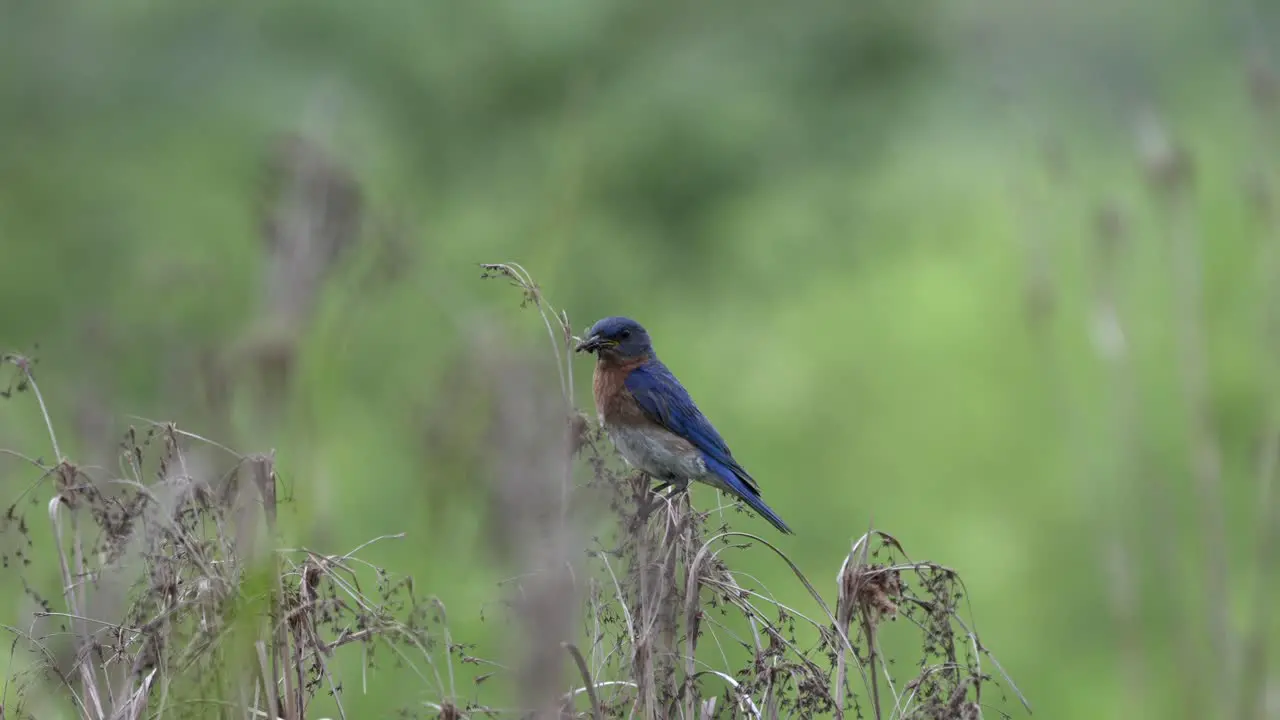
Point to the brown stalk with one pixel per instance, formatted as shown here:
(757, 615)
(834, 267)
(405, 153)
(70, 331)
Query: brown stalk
(848, 582)
(873, 656)
(588, 682)
(530, 461)
(1171, 175)
(1111, 345)
(692, 618)
(1255, 660)
(672, 547)
(283, 664)
(73, 592)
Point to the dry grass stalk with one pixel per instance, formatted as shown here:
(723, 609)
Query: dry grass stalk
(311, 216)
(215, 614)
(665, 610)
(1255, 662)
(530, 453)
(168, 590)
(1121, 449)
(1170, 174)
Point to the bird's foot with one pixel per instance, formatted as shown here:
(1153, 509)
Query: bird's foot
(676, 489)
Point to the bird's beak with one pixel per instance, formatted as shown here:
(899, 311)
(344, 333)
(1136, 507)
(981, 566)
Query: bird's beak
(592, 344)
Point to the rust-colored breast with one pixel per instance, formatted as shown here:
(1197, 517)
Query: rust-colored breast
(614, 402)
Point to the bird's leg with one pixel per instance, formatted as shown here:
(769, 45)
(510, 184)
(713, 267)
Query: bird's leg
(678, 487)
(652, 501)
(639, 484)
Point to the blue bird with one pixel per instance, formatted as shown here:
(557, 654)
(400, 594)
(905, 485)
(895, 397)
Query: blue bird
(654, 423)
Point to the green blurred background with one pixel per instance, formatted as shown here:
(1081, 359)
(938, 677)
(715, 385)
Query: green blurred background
(863, 233)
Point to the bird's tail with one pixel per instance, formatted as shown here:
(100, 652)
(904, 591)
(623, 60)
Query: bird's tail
(736, 485)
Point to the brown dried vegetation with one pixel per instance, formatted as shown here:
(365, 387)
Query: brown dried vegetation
(179, 600)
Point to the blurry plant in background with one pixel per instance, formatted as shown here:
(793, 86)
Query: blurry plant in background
(995, 275)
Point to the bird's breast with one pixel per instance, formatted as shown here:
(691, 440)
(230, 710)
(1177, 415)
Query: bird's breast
(614, 403)
(643, 443)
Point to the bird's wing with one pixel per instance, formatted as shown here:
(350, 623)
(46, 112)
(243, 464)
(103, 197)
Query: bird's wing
(665, 401)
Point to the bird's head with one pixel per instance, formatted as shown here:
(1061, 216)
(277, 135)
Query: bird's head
(616, 338)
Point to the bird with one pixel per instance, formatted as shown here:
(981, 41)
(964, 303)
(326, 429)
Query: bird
(654, 423)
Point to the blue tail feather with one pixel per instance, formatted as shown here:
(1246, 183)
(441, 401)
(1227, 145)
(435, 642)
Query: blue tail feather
(740, 488)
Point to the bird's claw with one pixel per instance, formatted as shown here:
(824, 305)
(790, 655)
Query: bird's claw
(659, 499)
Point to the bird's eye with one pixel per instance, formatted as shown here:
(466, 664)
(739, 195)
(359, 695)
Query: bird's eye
(624, 334)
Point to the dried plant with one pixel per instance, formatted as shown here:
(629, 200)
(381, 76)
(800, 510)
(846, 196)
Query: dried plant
(179, 600)
(666, 614)
(310, 219)
(176, 598)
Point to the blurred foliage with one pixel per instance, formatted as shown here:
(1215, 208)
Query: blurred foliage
(878, 217)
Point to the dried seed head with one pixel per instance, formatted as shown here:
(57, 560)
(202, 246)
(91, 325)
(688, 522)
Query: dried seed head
(1109, 224)
(879, 589)
(1264, 85)
(1261, 194)
(1056, 161)
(1166, 163)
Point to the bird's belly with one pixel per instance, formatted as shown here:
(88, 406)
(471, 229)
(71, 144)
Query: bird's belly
(657, 453)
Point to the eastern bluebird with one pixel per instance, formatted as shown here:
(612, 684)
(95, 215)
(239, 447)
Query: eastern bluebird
(654, 423)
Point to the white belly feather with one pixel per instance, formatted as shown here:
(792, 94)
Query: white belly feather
(657, 453)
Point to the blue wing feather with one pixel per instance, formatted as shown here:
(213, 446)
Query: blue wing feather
(738, 484)
(665, 401)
